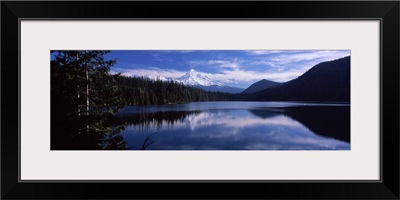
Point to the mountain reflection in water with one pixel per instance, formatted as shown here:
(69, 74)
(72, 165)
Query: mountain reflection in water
(251, 127)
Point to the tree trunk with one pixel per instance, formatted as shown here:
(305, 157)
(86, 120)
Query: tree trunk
(87, 89)
(79, 95)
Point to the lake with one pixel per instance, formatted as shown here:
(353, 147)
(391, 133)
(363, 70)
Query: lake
(236, 126)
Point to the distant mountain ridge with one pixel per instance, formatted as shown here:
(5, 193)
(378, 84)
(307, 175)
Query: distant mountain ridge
(326, 81)
(216, 88)
(260, 85)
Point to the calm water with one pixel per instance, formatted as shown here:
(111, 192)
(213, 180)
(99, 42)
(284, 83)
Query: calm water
(237, 126)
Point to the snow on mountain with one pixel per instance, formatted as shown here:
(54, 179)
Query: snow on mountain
(206, 82)
(200, 80)
(195, 78)
(157, 78)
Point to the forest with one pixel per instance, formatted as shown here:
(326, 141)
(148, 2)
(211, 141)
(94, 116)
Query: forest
(85, 97)
(144, 91)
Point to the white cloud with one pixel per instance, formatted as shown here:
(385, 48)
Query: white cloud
(225, 63)
(286, 66)
(279, 66)
(264, 52)
(234, 63)
(207, 119)
(247, 76)
(317, 56)
(273, 65)
(197, 62)
(160, 57)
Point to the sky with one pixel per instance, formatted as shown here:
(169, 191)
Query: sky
(236, 68)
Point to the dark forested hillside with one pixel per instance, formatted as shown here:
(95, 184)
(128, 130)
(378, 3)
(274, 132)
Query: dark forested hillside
(327, 81)
(260, 85)
(144, 91)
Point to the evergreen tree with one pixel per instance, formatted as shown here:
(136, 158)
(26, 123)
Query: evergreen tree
(85, 98)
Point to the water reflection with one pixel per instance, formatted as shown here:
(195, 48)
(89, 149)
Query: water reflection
(152, 121)
(326, 121)
(253, 128)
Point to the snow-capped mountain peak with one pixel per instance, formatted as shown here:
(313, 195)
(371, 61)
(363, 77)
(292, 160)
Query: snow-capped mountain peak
(195, 78)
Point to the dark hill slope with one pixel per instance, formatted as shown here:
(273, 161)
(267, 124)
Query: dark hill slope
(327, 81)
(260, 85)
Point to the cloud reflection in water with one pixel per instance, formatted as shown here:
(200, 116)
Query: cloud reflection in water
(226, 129)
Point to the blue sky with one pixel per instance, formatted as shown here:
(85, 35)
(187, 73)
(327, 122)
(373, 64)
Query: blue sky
(238, 68)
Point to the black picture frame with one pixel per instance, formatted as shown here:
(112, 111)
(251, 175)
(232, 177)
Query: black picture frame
(386, 11)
